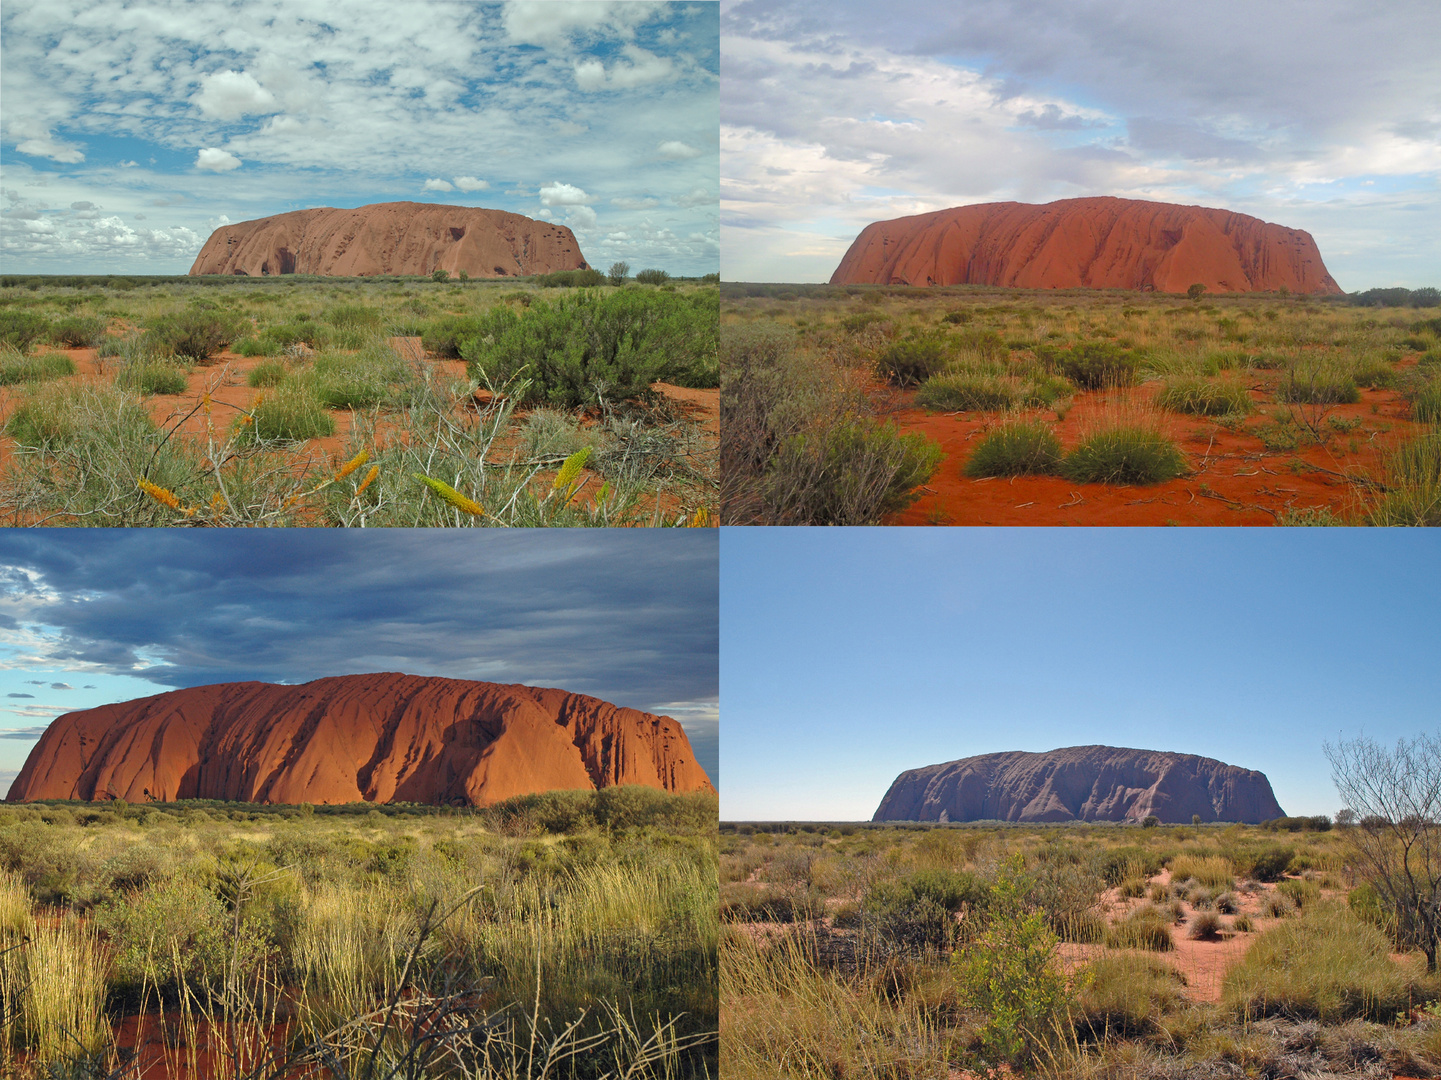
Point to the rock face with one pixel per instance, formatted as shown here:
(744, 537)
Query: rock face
(1099, 243)
(391, 238)
(353, 738)
(1080, 783)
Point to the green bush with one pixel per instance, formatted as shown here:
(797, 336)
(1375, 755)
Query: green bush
(1204, 398)
(917, 911)
(618, 272)
(1123, 996)
(353, 316)
(854, 324)
(966, 392)
(913, 361)
(19, 367)
(289, 413)
(173, 931)
(591, 344)
(1093, 365)
(153, 376)
(269, 373)
(443, 336)
(77, 332)
(1327, 965)
(21, 329)
(1318, 384)
(196, 333)
(1126, 454)
(652, 277)
(1017, 448)
(1144, 928)
(1268, 864)
(573, 279)
(373, 376)
(851, 472)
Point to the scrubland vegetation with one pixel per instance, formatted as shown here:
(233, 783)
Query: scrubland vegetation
(841, 403)
(309, 401)
(569, 934)
(1073, 951)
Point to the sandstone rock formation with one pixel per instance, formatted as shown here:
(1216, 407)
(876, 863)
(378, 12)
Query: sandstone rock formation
(352, 738)
(1080, 783)
(391, 238)
(1098, 243)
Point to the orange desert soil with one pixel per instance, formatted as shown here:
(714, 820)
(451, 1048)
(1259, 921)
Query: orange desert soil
(1235, 479)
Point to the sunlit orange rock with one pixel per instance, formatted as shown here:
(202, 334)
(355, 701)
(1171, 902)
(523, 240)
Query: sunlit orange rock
(1096, 243)
(391, 238)
(1081, 783)
(352, 738)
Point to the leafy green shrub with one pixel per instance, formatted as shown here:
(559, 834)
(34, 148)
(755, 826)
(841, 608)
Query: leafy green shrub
(355, 381)
(652, 277)
(590, 344)
(1204, 398)
(1327, 965)
(76, 331)
(913, 361)
(1123, 996)
(574, 279)
(1318, 384)
(269, 373)
(443, 336)
(1017, 448)
(1125, 454)
(153, 376)
(197, 333)
(983, 340)
(966, 392)
(618, 272)
(289, 413)
(917, 911)
(21, 329)
(1144, 928)
(1269, 864)
(18, 367)
(174, 931)
(854, 324)
(851, 472)
(1093, 365)
(957, 317)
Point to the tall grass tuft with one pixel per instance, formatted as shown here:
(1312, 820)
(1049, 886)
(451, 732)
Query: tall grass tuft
(61, 1008)
(1016, 448)
(1214, 871)
(1144, 928)
(1204, 398)
(1128, 453)
(19, 367)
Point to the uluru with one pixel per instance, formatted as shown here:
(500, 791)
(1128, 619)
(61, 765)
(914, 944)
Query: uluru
(352, 738)
(1081, 783)
(1097, 243)
(402, 238)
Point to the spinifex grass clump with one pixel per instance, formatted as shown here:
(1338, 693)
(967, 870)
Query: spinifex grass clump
(966, 392)
(913, 361)
(268, 373)
(1214, 871)
(852, 473)
(1016, 448)
(1315, 382)
(19, 367)
(1124, 995)
(1093, 365)
(1126, 453)
(1143, 928)
(1327, 965)
(374, 375)
(153, 375)
(1413, 482)
(64, 991)
(1204, 397)
(289, 413)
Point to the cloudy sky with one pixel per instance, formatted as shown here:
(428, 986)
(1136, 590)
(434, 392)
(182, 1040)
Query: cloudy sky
(851, 655)
(1323, 115)
(132, 130)
(92, 617)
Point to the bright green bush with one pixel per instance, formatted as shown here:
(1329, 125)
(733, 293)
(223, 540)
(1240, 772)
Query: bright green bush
(573, 279)
(966, 392)
(197, 333)
(652, 277)
(1017, 448)
(1125, 454)
(850, 472)
(21, 329)
(913, 361)
(153, 376)
(19, 367)
(1203, 397)
(76, 331)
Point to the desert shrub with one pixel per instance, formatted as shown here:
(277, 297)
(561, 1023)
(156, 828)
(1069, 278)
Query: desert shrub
(21, 329)
(1017, 448)
(983, 340)
(1327, 965)
(1213, 870)
(197, 333)
(1277, 905)
(1144, 928)
(19, 367)
(858, 322)
(1124, 454)
(269, 373)
(913, 361)
(1205, 926)
(966, 392)
(1268, 864)
(957, 317)
(750, 904)
(443, 336)
(593, 344)
(1426, 403)
(849, 472)
(917, 911)
(1122, 996)
(1242, 924)
(153, 376)
(1373, 372)
(573, 279)
(1227, 903)
(289, 413)
(276, 339)
(250, 346)
(618, 272)
(76, 331)
(1204, 398)
(172, 932)
(1301, 892)
(652, 277)
(1092, 365)
(1318, 383)
(1044, 391)
(373, 376)
(353, 316)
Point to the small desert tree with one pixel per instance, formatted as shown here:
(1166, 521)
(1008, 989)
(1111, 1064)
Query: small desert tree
(1196, 291)
(618, 271)
(1396, 797)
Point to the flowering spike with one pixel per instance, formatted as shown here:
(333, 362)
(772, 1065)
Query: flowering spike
(570, 469)
(354, 463)
(369, 479)
(450, 495)
(701, 519)
(164, 496)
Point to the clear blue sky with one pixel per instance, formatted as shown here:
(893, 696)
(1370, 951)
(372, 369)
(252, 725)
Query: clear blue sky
(849, 655)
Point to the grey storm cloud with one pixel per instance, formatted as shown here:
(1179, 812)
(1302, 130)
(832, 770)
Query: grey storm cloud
(20, 695)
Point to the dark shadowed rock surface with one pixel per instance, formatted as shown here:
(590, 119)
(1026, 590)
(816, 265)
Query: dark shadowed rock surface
(356, 738)
(1080, 783)
(1095, 243)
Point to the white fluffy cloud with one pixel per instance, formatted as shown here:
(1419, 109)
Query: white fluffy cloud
(213, 159)
(229, 95)
(638, 68)
(558, 194)
(675, 150)
(470, 183)
(437, 184)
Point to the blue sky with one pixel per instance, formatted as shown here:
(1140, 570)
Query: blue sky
(850, 655)
(131, 131)
(95, 616)
(1323, 115)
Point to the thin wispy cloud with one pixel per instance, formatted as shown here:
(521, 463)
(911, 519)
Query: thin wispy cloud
(174, 118)
(838, 114)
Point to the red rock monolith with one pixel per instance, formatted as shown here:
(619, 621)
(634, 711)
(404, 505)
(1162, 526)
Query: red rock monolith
(1096, 243)
(353, 738)
(391, 238)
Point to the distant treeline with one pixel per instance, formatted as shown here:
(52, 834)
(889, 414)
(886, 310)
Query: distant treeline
(1398, 297)
(1424, 297)
(135, 281)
